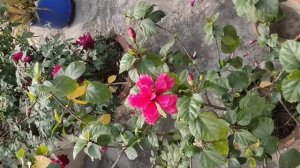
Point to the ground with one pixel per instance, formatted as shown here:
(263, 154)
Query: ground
(104, 16)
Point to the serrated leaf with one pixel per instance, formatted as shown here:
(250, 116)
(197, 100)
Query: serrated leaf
(221, 147)
(156, 16)
(75, 70)
(210, 159)
(265, 127)
(148, 27)
(21, 154)
(131, 153)
(291, 90)
(63, 85)
(103, 139)
(244, 138)
(238, 80)
(80, 144)
(126, 62)
(80, 91)
(289, 55)
(209, 127)
(165, 49)
(270, 144)
(93, 151)
(152, 138)
(97, 93)
(230, 40)
(188, 107)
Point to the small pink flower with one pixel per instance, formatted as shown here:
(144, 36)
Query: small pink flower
(103, 148)
(150, 95)
(62, 161)
(17, 57)
(86, 41)
(56, 70)
(27, 59)
(132, 34)
(192, 2)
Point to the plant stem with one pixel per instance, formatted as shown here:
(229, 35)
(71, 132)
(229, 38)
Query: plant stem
(67, 109)
(219, 53)
(119, 157)
(176, 38)
(288, 111)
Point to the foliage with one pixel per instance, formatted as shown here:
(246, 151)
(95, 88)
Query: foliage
(81, 97)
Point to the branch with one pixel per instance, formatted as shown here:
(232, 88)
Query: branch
(67, 109)
(119, 157)
(288, 111)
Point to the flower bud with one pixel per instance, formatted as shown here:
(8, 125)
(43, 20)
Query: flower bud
(103, 148)
(132, 34)
(193, 3)
(194, 55)
(190, 79)
(27, 59)
(201, 78)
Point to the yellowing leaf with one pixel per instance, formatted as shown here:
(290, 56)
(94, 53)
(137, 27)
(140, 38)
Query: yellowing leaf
(80, 101)
(41, 162)
(77, 93)
(105, 119)
(264, 84)
(111, 79)
(32, 98)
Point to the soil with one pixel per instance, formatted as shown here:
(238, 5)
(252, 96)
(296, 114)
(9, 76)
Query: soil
(284, 123)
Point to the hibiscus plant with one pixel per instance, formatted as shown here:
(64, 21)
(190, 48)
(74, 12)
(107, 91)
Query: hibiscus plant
(221, 117)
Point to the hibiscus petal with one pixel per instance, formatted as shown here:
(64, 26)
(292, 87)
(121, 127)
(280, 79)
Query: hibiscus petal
(145, 85)
(138, 101)
(150, 113)
(164, 83)
(168, 103)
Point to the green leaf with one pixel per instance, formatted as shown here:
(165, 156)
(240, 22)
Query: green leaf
(42, 150)
(256, 105)
(63, 85)
(152, 138)
(270, 144)
(21, 154)
(244, 117)
(289, 55)
(141, 9)
(265, 127)
(210, 159)
(37, 72)
(93, 151)
(97, 93)
(290, 159)
(131, 153)
(126, 62)
(188, 107)
(165, 49)
(221, 147)
(180, 59)
(234, 163)
(230, 41)
(238, 79)
(191, 150)
(104, 139)
(80, 144)
(148, 27)
(75, 70)
(209, 29)
(133, 74)
(266, 10)
(146, 66)
(156, 16)
(244, 138)
(209, 127)
(231, 116)
(236, 62)
(291, 90)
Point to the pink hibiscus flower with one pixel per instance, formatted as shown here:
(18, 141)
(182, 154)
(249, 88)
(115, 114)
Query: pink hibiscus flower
(151, 95)
(17, 56)
(62, 161)
(86, 41)
(56, 70)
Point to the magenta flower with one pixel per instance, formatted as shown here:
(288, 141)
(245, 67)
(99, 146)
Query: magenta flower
(132, 34)
(151, 95)
(17, 57)
(86, 41)
(103, 148)
(27, 59)
(193, 3)
(62, 161)
(56, 70)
